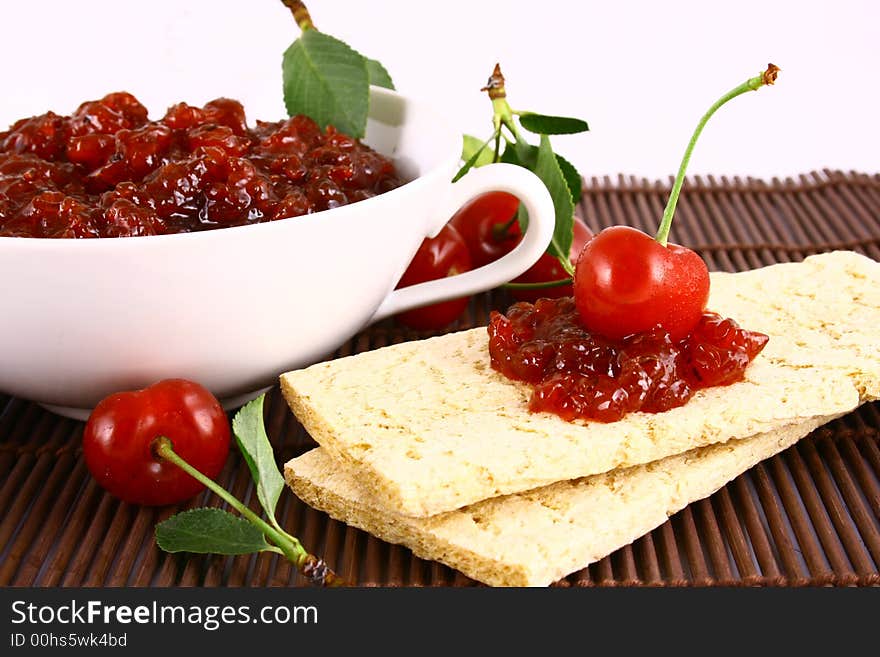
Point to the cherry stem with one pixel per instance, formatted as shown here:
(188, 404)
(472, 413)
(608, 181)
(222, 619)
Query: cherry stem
(752, 84)
(163, 447)
(502, 114)
(500, 231)
(300, 14)
(537, 286)
(312, 567)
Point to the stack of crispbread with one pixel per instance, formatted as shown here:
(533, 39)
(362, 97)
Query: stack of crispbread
(424, 444)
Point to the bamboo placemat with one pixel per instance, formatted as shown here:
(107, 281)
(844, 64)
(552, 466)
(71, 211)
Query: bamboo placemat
(809, 516)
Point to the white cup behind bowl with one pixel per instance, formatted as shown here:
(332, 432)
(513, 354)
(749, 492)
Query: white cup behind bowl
(233, 308)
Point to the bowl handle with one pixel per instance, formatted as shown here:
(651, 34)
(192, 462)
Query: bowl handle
(516, 180)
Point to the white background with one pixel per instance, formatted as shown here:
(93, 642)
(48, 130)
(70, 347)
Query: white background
(641, 73)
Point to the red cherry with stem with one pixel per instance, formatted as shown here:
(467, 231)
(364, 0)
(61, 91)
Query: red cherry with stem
(548, 269)
(488, 225)
(437, 257)
(118, 441)
(625, 282)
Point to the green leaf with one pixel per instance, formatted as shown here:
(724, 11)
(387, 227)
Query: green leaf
(473, 159)
(472, 145)
(378, 74)
(522, 217)
(572, 178)
(542, 124)
(571, 175)
(511, 156)
(209, 531)
(328, 81)
(250, 434)
(525, 153)
(548, 170)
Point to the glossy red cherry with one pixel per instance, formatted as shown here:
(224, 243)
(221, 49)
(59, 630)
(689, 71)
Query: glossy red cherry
(437, 257)
(488, 225)
(626, 282)
(118, 437)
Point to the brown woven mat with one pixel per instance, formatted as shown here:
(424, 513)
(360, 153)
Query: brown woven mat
(810, 515)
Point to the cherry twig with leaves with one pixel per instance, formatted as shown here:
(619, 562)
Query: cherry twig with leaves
(327, 80)
(559, 176)
(215, 531)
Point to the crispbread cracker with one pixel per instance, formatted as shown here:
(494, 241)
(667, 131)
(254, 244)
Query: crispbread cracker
(431, 427)
(536, 537)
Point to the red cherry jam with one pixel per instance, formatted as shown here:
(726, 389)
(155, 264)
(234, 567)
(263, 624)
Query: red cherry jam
(579, 375)
(108, 171)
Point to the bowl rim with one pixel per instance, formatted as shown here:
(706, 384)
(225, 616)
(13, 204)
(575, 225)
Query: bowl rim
(439, 167)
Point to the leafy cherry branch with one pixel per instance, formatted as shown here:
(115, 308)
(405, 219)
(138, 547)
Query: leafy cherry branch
(215, 531)
(327, 79)
(508, 144)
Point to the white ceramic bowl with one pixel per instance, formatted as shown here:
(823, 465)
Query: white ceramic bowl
(235, 307)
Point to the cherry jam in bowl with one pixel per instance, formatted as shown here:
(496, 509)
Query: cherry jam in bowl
(104, 288)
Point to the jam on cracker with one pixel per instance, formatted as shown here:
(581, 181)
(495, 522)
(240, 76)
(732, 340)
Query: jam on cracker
(580, 375)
